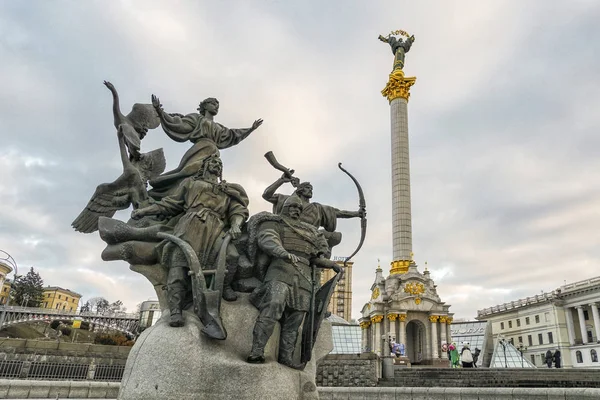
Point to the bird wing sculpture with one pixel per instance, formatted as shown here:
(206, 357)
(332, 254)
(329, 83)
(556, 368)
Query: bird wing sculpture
(105, 202)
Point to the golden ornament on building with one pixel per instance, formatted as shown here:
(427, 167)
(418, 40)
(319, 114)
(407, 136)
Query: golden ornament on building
(417, 300)
(433, 318)
(443, 319)
(376, 319)
(375, 294)
(392, 317)
(399, 267)
(414, 288)
(365, 324)
(449, 320)
(402, 317)
(398, 86)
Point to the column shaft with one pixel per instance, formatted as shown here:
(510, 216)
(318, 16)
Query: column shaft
(596, 320)
(401, 207)
(570, 325)
(584, 337)
(434, 341)
(402, 333)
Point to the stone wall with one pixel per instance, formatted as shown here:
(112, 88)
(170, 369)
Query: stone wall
(349, 370)
(62, 352)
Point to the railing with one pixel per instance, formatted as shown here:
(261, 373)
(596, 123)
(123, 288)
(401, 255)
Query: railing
(540, 298)
(60, 371)
(39, 310)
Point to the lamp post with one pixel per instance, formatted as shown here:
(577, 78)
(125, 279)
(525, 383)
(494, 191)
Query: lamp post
(11, 262)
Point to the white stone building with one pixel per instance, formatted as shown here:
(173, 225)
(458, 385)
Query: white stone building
(566, 319)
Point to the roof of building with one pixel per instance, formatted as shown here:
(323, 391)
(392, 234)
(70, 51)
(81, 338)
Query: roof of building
(58, 288)
(566, 289)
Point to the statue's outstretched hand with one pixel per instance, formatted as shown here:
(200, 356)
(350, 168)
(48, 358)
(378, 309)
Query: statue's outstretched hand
(156, 103)
(257, 123)
(137, 214)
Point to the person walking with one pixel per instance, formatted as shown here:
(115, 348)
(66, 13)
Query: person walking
(466, 357)
(549, 358)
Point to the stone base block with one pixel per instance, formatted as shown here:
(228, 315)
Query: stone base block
(182, 363)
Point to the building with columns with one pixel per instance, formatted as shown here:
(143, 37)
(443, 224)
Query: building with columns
(404, 306)
(565, 319)
(407, 309)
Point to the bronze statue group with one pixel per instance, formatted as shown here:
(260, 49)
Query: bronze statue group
(192, 231)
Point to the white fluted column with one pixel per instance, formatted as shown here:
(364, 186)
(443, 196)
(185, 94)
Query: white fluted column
(584, 337)
(376, 321)
(434, 340)
(365, 331)
(402, 330)
(392, 331)
(596, 320)
(443, 329)
(570, 325)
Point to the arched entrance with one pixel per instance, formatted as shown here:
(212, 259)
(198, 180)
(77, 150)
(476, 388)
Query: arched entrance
(415, 341)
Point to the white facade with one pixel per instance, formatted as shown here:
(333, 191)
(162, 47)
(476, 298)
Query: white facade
(566, 319)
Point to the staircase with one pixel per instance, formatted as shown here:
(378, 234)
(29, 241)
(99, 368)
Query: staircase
(499, 377)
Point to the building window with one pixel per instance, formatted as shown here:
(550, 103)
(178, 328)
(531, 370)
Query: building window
(590, 336)
(59, 296)
(520, 339)
(501, 325)
(541, 338)
(57, 306)
(579, 357)
(518, 323)
(532, 358)
(510, 324)
(586, 316)
(526, 320)
(550, 338)
(594, 355)
(537, 319)
(530, 340)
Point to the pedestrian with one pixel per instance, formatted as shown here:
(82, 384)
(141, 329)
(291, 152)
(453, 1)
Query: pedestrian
(557, 358)
(454, 357)
(549, 358)
(466, 357)
(476, 357)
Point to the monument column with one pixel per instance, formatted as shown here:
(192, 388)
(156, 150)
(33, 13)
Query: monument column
(364, 325)
(392, 331)
(434, 341)
(397, 93)
(594, 307)
(376, 321)
(449, 330)
(570, 325)
(402, 329)
(443, 328)
(584, 337)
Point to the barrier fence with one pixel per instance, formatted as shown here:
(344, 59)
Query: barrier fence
(60, 371)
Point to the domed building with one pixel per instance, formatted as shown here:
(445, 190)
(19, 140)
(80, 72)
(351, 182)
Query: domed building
(405, 308)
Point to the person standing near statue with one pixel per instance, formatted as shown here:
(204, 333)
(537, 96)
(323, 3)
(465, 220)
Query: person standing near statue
(549, 358)
(209, 208)
(557, 358)
(294, 247)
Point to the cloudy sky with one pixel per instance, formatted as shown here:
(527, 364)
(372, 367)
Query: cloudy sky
(503, 125)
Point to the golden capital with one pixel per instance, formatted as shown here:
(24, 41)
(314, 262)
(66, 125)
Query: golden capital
(449, 320)
(365, 324)
(392, 317)
(399, 267)
(398, 86)
(376, 319)
(433, 318)
(443, 319)
(402, 317)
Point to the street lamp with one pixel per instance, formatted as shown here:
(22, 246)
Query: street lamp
(521, 349)
(11, 262)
